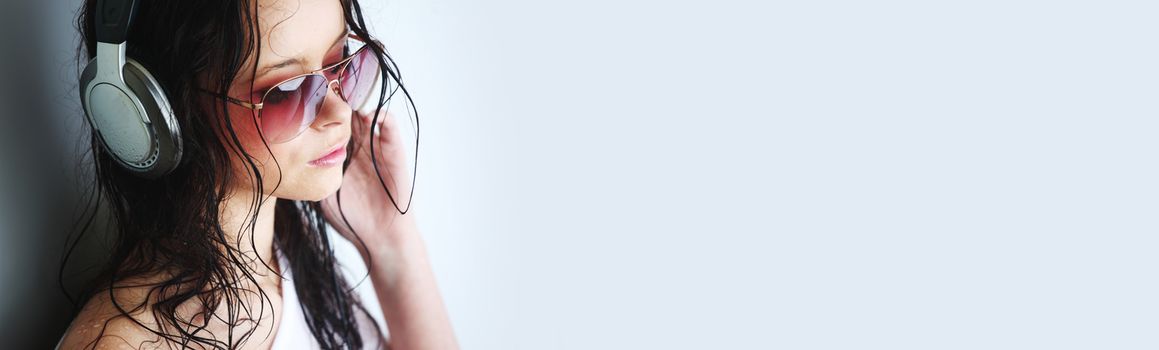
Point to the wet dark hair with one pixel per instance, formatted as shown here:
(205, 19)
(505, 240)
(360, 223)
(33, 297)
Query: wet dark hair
(169, 228)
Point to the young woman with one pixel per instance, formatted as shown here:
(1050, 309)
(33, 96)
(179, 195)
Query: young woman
(282, 139)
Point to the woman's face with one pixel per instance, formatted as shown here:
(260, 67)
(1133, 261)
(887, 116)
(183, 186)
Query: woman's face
(298, 36)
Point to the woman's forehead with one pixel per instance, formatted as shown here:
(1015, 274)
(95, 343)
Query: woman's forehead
(300, 31)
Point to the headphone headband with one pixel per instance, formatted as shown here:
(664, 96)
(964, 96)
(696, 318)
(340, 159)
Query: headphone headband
(113, 18)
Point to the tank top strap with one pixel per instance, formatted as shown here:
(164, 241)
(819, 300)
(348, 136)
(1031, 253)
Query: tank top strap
(293, 333)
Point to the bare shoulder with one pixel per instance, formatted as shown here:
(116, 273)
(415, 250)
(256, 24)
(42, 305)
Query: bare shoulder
(101, 324)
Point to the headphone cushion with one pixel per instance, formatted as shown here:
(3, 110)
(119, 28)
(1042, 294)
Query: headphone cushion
(166, 131)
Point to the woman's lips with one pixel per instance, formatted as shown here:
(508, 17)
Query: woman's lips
(333, 158)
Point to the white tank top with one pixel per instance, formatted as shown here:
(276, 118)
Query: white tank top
(294, 334)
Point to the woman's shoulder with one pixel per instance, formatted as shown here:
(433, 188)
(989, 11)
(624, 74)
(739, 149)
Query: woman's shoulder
(130, 323)
(100, 325)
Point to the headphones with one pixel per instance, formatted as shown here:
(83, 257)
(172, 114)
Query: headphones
(124, 103)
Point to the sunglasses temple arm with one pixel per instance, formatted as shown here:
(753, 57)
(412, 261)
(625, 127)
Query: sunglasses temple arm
(244, 103)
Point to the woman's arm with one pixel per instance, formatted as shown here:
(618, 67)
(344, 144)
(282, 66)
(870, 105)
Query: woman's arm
(405, 285)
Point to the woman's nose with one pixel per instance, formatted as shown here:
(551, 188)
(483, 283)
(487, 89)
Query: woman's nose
(335, 109)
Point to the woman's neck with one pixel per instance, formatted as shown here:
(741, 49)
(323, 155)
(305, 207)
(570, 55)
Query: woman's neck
(253, 241)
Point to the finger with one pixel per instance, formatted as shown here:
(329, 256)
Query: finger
(388, 128)
(359, 126)
(365, 119)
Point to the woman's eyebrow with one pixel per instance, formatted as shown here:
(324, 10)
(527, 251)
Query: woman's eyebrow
(297, 60)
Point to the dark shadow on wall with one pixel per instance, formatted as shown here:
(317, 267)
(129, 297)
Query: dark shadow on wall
(41, 135)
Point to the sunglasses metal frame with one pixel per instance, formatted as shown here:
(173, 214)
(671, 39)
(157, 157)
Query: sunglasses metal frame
(261, 102)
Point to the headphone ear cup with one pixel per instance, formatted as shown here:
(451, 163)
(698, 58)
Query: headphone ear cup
(147, 150)
(166, 131)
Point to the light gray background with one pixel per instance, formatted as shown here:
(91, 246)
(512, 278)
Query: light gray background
(780, 175)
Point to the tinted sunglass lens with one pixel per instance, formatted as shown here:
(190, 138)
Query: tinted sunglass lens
(291, 106)
(358, 78)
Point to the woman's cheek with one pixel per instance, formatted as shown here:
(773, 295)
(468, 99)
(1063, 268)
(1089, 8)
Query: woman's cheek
(246, 128)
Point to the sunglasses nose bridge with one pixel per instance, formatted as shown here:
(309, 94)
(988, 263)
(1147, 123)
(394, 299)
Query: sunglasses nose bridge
(336, 86)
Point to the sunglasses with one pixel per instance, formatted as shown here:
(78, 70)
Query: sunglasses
(289, 107)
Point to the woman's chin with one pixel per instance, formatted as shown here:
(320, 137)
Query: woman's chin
(320, 187)
(329, 185)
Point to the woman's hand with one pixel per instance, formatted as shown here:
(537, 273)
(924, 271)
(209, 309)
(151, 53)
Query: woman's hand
(369, 211)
